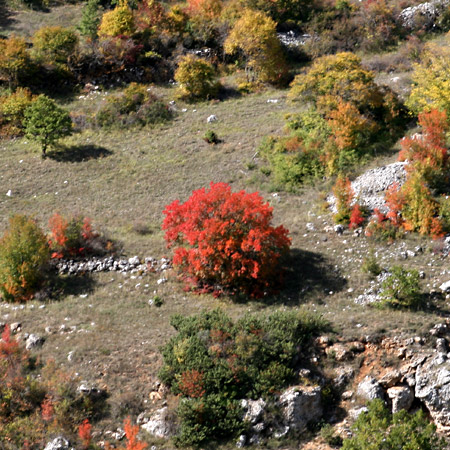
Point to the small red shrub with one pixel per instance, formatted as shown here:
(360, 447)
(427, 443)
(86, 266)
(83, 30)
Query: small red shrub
(84, 431)
(191, 384)
(356, 217)
(225, 241)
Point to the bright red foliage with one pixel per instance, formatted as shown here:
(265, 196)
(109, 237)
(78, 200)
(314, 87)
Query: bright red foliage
(84, 431)
(131, 432)
(356, 217)
(395, 201)
(47, 410)
(225, 240)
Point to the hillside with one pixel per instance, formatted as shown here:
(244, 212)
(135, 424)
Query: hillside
(105, 326)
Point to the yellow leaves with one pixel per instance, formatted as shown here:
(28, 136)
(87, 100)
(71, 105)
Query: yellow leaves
(255, 35)
(431, 78)
(118, 22)
(13, 57)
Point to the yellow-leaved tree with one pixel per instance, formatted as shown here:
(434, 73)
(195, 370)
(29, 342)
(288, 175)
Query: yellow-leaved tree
(254, 35)
(335, 78)
(118, 22)
(13, 59)
(431, 81)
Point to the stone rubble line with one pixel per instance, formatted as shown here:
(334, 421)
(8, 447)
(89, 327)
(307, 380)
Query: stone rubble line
(110, 264)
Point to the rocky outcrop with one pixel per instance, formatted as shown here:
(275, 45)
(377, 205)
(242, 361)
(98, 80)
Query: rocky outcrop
(423, 15)
(159, 424)
(369, 389)
(402, 397)
(59, 443)
(300, 405)
(433, 389)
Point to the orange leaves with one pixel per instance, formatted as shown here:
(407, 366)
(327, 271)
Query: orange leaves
(84, 431)
(225, 241)
(191, 384)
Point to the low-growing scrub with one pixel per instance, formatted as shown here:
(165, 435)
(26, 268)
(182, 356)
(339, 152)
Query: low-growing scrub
(136, 105)
(378, 429)
(39, 401)
(214, 362)
(74, 236)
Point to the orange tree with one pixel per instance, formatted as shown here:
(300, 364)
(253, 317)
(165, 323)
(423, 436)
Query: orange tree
(225, 241)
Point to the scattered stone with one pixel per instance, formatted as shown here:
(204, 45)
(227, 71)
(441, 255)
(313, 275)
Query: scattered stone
(339, 352)
(15, 327)
(310, 227)
(441, 345)
(402, 397)
(423, 14)
(445, 287)
(9, 193)
(347, 395)
(370, 389)
(242, 440)
(339, 229)
(212, 118)
(34, 341)
(90, 390)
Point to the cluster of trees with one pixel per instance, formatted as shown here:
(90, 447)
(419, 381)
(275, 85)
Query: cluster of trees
(348, 118)
(25, 251)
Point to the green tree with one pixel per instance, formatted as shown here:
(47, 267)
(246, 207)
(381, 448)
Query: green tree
(90, 19)
(45, 122)
(55, 44)
(254, 34)
(24, 252)
(378, 430)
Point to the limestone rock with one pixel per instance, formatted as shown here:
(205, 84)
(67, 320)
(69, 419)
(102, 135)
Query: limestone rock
(159, 424)
(253, 410)
(59, 443)
(401, 396)
(390, 378)
(33, 341)
(300, 405)
(433, 389)
(338, 352)
(370, 389)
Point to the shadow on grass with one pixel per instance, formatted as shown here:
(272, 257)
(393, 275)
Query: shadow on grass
(308, 275)
(78, 153)
(6, 18)
(65, 285)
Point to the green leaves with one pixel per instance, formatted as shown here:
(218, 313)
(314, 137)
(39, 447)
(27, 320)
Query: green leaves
(45, 122)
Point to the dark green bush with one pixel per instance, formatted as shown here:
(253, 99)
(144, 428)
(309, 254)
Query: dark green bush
(211, 137)
(136, 105)
(379, 430)
(213, 362)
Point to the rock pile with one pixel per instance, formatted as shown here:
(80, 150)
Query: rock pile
(109, 264)
(370, 187)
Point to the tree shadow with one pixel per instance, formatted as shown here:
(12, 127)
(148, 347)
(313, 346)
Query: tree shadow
(6, 18)
(78, 153)
(308, 275)
(65, 285)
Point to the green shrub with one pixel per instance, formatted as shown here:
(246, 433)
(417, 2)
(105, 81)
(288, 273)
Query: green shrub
(136, 105)
(24, 254)
(370, 264)
(197, 78)
(213, 362)
(211, 137)
(328, 434)
(377, 429)
(401, 288)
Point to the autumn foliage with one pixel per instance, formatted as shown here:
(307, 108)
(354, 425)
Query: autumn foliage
(70, 237)
(225, 241)
(24, 253)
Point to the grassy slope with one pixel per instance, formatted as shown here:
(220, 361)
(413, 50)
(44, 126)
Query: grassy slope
(141, 171)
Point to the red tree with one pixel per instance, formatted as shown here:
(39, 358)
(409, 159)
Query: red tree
(225, 240)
